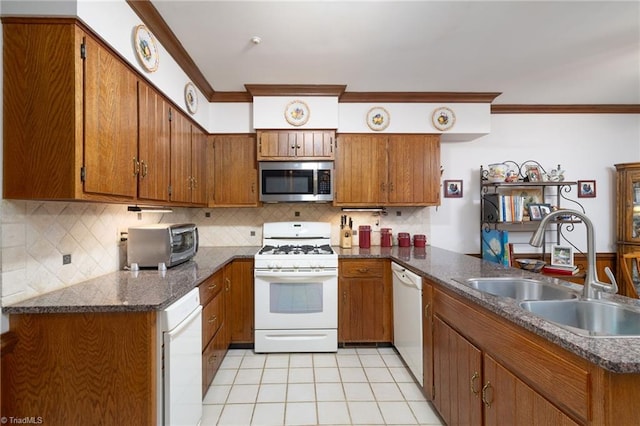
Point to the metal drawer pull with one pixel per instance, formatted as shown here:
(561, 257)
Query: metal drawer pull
(474, 378)
(426, 315)
(211, 287)
(213, 359)
(363, 270)
(485, 390)
(213, 319)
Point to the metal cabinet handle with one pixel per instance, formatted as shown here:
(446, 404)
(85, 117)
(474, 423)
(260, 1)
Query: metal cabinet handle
(228, 286)
(145, 168)
(212, 286)
(474, 378)
(485, 391)
(391, 187)
(383, 187)
(344, 295)
(426, 313)
(363, 270)
(213, 319)
(136, 166)
(213, 359)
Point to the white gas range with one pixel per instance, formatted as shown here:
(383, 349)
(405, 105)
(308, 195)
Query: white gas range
(296, 289)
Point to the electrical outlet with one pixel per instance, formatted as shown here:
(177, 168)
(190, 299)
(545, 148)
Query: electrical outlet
(398, 213)
(252, 233)
(296, 214)
(66, 259)
(207, 214)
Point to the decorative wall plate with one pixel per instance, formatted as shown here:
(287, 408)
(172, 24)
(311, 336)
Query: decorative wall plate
(378, 118)
(191, 98)
(443, 118)
(296, 113)
(146, 48)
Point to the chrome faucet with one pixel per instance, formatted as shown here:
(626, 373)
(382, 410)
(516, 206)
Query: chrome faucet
(592, 286)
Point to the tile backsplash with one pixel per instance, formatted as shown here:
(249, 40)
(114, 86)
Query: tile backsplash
(35, 236)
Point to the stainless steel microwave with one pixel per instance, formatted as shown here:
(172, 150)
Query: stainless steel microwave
(295, 181)
(171, 244)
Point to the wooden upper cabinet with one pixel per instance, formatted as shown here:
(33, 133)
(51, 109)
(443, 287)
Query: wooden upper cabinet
(188, 161)
(414, 170)
(198, 166)
(70, 121)
(283, 145)
(374, 170)
(111, 127)
(361, 170)
(153, 144)
(232, 171)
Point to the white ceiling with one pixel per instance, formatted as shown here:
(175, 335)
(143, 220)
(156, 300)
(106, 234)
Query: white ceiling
(560, 52)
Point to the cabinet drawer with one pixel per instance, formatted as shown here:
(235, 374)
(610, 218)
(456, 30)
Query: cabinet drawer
(210, 287)
(361, 268)
(211, 319)
(212, 357)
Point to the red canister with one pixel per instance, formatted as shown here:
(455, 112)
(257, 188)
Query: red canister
(419, 240)
(364, 236)
(404, 240)
(385, 237)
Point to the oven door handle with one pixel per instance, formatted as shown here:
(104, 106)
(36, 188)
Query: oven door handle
(298, 276)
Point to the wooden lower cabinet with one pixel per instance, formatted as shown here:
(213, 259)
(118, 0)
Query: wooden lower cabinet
(83, 368)
(214, 344)
(487, 370)
(427, 339)
(238, 285)
(364, 301)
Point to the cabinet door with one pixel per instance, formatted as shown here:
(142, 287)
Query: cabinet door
(414, 170)
(198, 166)
(508, 400)
(276, 145)
(427, 338)
(153, 144)
(361, 170)
(232, 170)
(631, 206)
(111, 127)
(315, 145)
(457, 367)
(239, 300)
(180, 158)
(364, 302)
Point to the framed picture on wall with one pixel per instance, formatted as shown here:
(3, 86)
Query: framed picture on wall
(586, 188)
(453, 189)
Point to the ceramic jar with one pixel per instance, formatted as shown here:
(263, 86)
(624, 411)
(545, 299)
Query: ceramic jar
(497, 172)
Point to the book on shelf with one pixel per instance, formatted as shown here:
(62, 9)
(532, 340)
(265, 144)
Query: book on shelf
(560, 270)
(503, 208)
(495, 246)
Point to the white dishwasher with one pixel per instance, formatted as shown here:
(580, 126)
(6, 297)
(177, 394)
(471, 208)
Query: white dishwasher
(407, 318)
(181, 375)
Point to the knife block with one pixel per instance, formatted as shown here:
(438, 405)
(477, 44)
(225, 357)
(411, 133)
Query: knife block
(345, 237)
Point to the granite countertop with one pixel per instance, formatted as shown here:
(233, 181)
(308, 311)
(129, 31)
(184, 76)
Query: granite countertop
(152, 290)
(133, 291)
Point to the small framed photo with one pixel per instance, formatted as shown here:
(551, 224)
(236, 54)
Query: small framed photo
(561, 255)
(452, 189)
(586, 188)
(538, 211)
(534, 174)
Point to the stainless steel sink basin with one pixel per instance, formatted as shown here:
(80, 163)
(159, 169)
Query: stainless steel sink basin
(519, 288)
(594, 318)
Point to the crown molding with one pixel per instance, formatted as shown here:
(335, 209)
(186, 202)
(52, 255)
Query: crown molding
(152, 19)
(231, 97)
(419, 97)
(566, 109)
(295, 89)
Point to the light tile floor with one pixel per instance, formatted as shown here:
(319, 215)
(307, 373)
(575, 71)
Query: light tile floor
(355, 386)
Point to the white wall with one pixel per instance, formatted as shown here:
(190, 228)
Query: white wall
(586, 145)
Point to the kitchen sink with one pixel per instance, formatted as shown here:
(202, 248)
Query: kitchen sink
(519, 288)
(594, 318)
